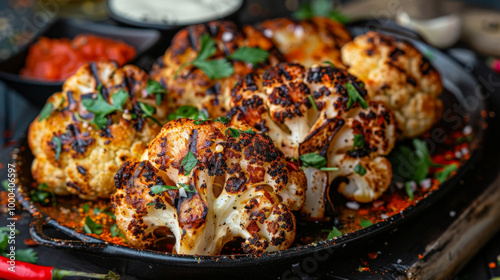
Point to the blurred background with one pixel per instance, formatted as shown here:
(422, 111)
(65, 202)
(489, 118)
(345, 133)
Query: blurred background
(468, 30)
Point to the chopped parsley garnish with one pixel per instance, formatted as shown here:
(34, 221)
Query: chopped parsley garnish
(442, 175)
(153, 87)
(409, 190)
(360, 169)
(186, 187)
(223, 120)
(359, 141)
(312, 160)
(115, 231)
(354, 97)
(56, 140)
(329, 63)
(324, 8)
(235, 133)
(312, 102)
(412, 165)
(250, 54)
(149, 111)
(365, 223)
(46, 111)
(333, 233)
(5, 184)
(43, 195)
(23, 255)
(92, 227)
(85, 208)
(214, 69)
(188, 112)
(189, 162)
(161, 188)
(101, 108)
(329, 169)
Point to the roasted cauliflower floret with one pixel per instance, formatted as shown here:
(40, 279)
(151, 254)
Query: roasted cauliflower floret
(308, 42)
(191, 85)
(395, 72)
(206, 184)
(78, 151)
(279, 103)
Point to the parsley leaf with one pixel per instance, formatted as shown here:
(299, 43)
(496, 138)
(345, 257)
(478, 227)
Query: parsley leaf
(360, 169)
(312, 102)
(43, 195)
(223, 120)
(354, 96)
(334, 233)
(5, 184)
(153, 87)
(46, 111)
(324, 8)
(365, 223)
(329, 169)
(207, 47)
(215, 69)
(411, 165)
(189, 162)
(161, 188)
(85, 208)
(100, 107)
(186, 187)
(116, 231)
(330, 63)
(56, 140)
(148, 111)
(188, 112)
(26, 255)
(111, 214)
(249, 54)
(92, 227)
(359, 141)
(235, 133)
(4, 239)
(409, 190)
(442, 175)
(313, 160)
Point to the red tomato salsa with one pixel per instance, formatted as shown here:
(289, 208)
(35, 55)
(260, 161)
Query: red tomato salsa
(57, 59)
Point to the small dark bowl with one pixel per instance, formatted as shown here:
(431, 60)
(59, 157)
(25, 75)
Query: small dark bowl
(37, 91)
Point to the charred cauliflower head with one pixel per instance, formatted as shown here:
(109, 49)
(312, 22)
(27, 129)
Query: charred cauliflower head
(308, 42)
(396, 73)
(201, 66)
(320, 116)
(206, 184)
(102, 118)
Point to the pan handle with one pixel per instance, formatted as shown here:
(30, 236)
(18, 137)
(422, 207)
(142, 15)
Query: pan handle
(82, 242)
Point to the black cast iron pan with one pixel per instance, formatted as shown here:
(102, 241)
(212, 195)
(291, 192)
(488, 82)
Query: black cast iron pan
(462, 91)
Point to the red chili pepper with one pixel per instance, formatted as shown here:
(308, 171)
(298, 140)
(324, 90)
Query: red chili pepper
(28, 271)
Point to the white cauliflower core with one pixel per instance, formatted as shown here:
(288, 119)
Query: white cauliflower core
(240, 186)
(278, 102)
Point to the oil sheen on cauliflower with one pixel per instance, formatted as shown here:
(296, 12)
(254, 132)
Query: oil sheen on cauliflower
(72, 155)
(278, 102)
(224, 183)
(191, 86)
(395, 72)
(308, 42)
